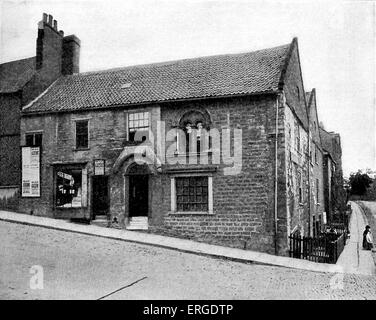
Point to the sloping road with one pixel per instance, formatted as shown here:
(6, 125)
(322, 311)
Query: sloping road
(353, 258)
(77, 266)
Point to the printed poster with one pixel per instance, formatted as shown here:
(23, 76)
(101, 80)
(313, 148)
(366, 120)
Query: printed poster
(30, 172)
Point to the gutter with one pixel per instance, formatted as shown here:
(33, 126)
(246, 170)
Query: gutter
(26, 113)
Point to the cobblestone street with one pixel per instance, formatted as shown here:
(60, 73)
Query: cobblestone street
(85, 267)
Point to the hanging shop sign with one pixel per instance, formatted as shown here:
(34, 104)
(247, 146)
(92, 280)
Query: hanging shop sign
(30, 172)
(99, 166)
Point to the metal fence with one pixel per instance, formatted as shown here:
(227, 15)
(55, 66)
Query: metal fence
(324, 249)
(338, 227)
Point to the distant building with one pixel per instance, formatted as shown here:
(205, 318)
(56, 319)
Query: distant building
(20, 82)
(333, 174)
(316, 161)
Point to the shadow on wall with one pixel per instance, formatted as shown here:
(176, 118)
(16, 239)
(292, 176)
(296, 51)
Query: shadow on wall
(9, 198)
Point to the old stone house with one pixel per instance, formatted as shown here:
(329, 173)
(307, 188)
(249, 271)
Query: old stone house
(215, 149)
(20, 82)
(333, 175)
(316, 163)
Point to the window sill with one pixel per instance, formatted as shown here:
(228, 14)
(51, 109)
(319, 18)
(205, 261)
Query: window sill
(182, 213)
(69, 208)
(128, 143)
(187, 154)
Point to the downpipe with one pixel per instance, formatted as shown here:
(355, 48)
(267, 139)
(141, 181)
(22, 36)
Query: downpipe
(276, 181)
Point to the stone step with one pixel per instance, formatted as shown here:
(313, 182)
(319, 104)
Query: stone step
(100, 221)
(138, 223)
(100, 218)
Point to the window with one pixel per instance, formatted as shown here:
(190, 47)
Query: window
(318, 225)
(297, 137)
(33, 139)
(195, 124)
(138, 123)
(317, 191)
(314, 226)
(316, 155)
(198, 135)
(300, 190)
(192, 194)
(82, 134)
(70, 188)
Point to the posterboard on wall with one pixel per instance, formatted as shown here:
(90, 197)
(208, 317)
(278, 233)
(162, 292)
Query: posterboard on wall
(30, 172)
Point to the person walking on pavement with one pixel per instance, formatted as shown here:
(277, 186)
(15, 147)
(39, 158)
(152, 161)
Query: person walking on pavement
(367, 239)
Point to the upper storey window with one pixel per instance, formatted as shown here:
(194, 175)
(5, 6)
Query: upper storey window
(138, 126)
(33, 139)
(82, 134)
(297, 136)
(194, 125)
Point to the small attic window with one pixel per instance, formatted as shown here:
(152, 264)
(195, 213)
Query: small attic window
(126, 85)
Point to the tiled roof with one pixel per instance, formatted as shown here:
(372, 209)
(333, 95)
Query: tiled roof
(15, 74)
(314, 122)
(327, 141)
(223, 75)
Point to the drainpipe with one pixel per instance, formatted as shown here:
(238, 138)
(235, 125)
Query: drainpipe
(276, 181)
(309, 175)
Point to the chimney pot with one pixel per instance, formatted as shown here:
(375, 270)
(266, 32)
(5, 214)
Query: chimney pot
(50, 18)
(45, 17)
(55, 25)
(61, 33)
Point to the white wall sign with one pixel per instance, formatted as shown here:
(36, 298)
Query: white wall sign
(99, 166)
(30, 172)
(324, 218)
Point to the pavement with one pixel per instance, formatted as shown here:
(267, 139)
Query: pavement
(354, 259)
(182, 245)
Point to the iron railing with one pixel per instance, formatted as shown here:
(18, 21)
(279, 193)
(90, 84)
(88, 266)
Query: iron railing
(325, 248)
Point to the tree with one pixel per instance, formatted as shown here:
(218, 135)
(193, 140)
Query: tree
(359, 183)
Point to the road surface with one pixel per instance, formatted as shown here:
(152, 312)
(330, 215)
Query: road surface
(354, 259)
(78, 266)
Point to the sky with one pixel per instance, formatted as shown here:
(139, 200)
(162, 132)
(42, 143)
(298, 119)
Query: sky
(337, 46)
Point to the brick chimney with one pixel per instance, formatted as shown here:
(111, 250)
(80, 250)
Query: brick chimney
(71, 55)
(56, 55)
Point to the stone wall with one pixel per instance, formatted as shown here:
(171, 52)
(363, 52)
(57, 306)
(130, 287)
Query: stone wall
(297, 167)
(9, 140)
(243, 203)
